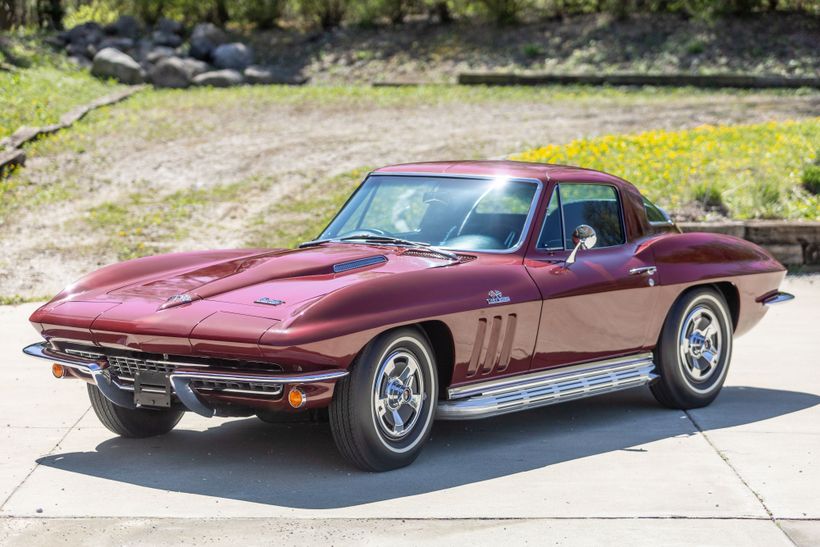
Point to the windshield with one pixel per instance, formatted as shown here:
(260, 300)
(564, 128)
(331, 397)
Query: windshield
(456, 213)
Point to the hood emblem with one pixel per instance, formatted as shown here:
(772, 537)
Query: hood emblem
(179, 299)
(497, 297)
(269, 301)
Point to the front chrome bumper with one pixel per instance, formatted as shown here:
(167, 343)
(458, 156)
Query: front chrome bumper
(180, 380)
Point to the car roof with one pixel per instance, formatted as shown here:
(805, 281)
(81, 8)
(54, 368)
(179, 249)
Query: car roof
(513, 169)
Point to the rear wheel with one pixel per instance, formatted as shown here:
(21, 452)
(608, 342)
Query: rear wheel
(694, 350)
(134, 423)
(382, 413)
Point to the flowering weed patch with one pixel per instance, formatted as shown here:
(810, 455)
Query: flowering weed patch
(754, 171)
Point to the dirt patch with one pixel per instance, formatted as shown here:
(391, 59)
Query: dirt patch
(254, 153)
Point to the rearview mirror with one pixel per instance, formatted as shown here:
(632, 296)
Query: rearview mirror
(584, 238)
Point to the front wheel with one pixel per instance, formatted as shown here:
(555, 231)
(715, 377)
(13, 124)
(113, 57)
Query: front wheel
(694, 350)
(135, 423)
(382, 413)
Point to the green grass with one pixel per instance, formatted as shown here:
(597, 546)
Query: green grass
(16, 299)
(137, 225)
(301, 218)
(45, 88)
(754, 171)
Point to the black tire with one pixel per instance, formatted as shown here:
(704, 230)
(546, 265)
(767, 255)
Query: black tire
(692, 367)
(137, 423)
(365, 403)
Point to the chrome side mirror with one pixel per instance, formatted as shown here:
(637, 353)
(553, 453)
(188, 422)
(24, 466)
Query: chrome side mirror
(584, 238)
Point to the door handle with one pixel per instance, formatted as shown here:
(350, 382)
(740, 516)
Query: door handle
(643, 270)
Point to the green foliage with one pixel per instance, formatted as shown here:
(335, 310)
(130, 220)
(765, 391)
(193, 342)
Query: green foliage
(47, 89)
(708, 194)
(101, 11)
(811, 179)
(532, 51)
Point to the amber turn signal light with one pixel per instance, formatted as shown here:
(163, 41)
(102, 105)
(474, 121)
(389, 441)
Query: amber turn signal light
(296, 397)
(58, 370)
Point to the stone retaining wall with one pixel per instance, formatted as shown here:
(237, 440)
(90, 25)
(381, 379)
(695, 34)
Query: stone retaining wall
(791, 242)
(694, 80)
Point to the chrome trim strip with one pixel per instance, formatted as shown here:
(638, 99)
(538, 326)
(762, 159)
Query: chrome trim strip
(180, 380)
(86, 366)
(524, 230)
(777, 298)
(543, 388)
(648, 270)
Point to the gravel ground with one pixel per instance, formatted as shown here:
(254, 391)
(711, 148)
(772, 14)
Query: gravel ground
(167, 147)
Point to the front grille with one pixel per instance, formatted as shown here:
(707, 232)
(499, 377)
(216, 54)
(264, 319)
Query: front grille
(237, 387)
(123, 366)
(129, 366)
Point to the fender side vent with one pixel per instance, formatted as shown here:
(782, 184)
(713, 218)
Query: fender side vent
(358, 263)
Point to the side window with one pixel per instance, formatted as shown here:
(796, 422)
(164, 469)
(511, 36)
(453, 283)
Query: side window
(551, 237)
(655, 213)
(596, 205)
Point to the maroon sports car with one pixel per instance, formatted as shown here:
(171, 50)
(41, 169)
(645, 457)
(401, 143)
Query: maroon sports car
(451, 290)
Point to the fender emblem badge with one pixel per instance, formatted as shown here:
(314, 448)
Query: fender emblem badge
(497, 297)
(179, 298)
(269, 301)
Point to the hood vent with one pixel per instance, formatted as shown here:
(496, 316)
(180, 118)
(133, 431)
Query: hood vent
(358, 263)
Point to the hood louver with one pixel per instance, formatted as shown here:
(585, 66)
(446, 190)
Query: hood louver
(358, 263)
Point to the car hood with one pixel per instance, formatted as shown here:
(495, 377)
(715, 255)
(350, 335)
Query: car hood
(277, 280)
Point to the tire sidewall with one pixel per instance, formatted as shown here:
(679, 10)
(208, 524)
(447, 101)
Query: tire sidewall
(364, 374)
(672, 365)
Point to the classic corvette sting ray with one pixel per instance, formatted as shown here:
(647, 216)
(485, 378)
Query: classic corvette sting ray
(449, 290)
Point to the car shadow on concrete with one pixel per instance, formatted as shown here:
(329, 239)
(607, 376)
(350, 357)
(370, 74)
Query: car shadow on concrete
(297, 465)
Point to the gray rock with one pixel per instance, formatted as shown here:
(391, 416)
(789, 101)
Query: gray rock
(175, 72)
(162, 38)
(112, 63)
(237, 56)
(219, 78)
(125, 26)
(204, 39)
(122, 44)
(87, 33)
(159, 53)
(169, 25)
(257, 74)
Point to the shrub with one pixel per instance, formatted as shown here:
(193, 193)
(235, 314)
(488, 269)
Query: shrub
(709, 195)
(327, 13)
(811, 179)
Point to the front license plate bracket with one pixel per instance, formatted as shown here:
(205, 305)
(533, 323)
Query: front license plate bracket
(152, 389)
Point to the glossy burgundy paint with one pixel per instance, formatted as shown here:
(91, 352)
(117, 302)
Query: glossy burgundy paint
(557, 315)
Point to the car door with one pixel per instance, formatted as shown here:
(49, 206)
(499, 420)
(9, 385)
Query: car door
(602, 304)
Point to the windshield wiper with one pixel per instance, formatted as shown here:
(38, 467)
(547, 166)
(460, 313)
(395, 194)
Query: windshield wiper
(370, 238)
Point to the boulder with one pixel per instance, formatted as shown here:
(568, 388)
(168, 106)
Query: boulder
(176, 72)
(168, 25)
(112, 63)
(219, 78)
(162, 38)
(204, 39)
(159, 53)
(236, 56)
(122, 44)
(125, 26)
(87, 33)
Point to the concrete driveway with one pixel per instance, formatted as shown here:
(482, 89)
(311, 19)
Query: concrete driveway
(616, 469)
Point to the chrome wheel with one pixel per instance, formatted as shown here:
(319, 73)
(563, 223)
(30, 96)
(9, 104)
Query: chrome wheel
(398, 394)
(700, 344)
